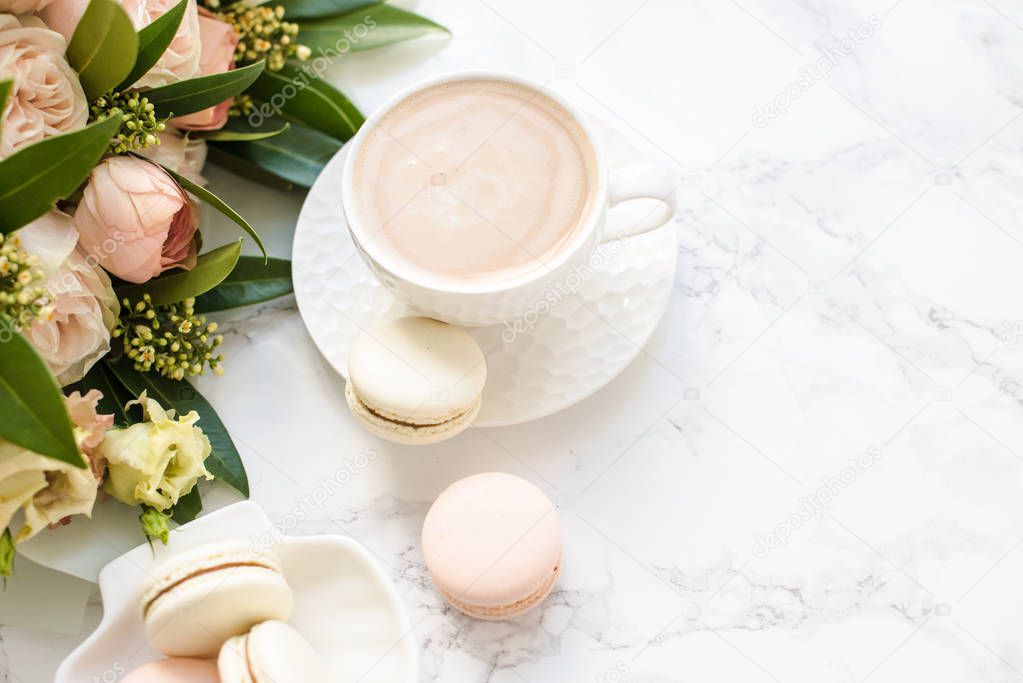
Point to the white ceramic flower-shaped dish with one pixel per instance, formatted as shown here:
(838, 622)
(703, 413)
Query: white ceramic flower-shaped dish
(345, 605)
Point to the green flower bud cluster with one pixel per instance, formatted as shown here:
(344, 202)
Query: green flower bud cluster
(22, 294)
(263, 34)
(242, 105)
(139, 123)
(170, 340)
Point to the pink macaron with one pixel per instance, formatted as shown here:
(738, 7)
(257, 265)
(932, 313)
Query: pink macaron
(175, 670)
(492, 543)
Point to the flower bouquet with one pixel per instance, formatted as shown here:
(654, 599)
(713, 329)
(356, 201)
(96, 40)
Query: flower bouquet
(108, 110)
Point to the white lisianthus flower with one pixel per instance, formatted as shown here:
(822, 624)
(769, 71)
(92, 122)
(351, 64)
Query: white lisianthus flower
(157, 461)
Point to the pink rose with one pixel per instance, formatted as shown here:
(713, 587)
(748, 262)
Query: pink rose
(217, 56)
(180, 154)
(46, 98)
(180, 61)
(75, 332)
(135, 221)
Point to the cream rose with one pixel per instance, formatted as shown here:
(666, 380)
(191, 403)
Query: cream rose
(49, 490)
(46, 98)
(180, 61)
(75, 332)
(157, 461)
(135, 220)
(180, 154)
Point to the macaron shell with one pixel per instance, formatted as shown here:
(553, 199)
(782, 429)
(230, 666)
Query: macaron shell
(210, 555)
(231, 663)
(277, 653)
(492, 541)
(404, 433)
(174, 670)
(507, 611)
(195, 617)
(417, 369)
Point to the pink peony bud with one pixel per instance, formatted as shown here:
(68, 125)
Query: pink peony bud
(135, 221)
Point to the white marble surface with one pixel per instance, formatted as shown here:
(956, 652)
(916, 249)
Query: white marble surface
(849, 285)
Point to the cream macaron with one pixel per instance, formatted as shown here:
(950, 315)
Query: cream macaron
(175, 670)
(271, 652)
(415, 380)
(492, 543)
(202, 597)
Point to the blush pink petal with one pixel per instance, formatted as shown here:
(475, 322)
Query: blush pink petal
(217, 56)
(135, 220)
(179, 61)
(82, 410)
(76, 332)
(46, 98)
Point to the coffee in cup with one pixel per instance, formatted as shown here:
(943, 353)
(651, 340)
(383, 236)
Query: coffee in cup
(471, 195)
(474, 181)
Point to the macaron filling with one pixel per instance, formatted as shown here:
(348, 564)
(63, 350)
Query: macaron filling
(405, 421)
(201, 572)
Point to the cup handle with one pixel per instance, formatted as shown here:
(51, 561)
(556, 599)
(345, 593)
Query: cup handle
(643, 182)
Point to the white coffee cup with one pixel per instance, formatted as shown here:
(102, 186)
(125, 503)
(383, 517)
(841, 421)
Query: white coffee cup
(492, 303)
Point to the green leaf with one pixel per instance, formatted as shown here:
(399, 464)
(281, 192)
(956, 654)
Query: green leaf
(225, 463)
(295, 157)
(153, 42)
(115, 396)
(316, 103)
(103, 47)
(364, 29)
(218, 204)
(251, 282)
(237, 130)
(178, 285)
(310, 9)
(34, 178)
(5, 90)
(218, 153)
(6, 555)
(33, 413)
(196, 94)
(188, 507)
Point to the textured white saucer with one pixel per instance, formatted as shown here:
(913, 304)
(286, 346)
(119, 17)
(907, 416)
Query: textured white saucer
(345, 605)
(558, 357)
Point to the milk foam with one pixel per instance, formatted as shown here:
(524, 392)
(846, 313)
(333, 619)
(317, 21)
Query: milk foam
(474, 181)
